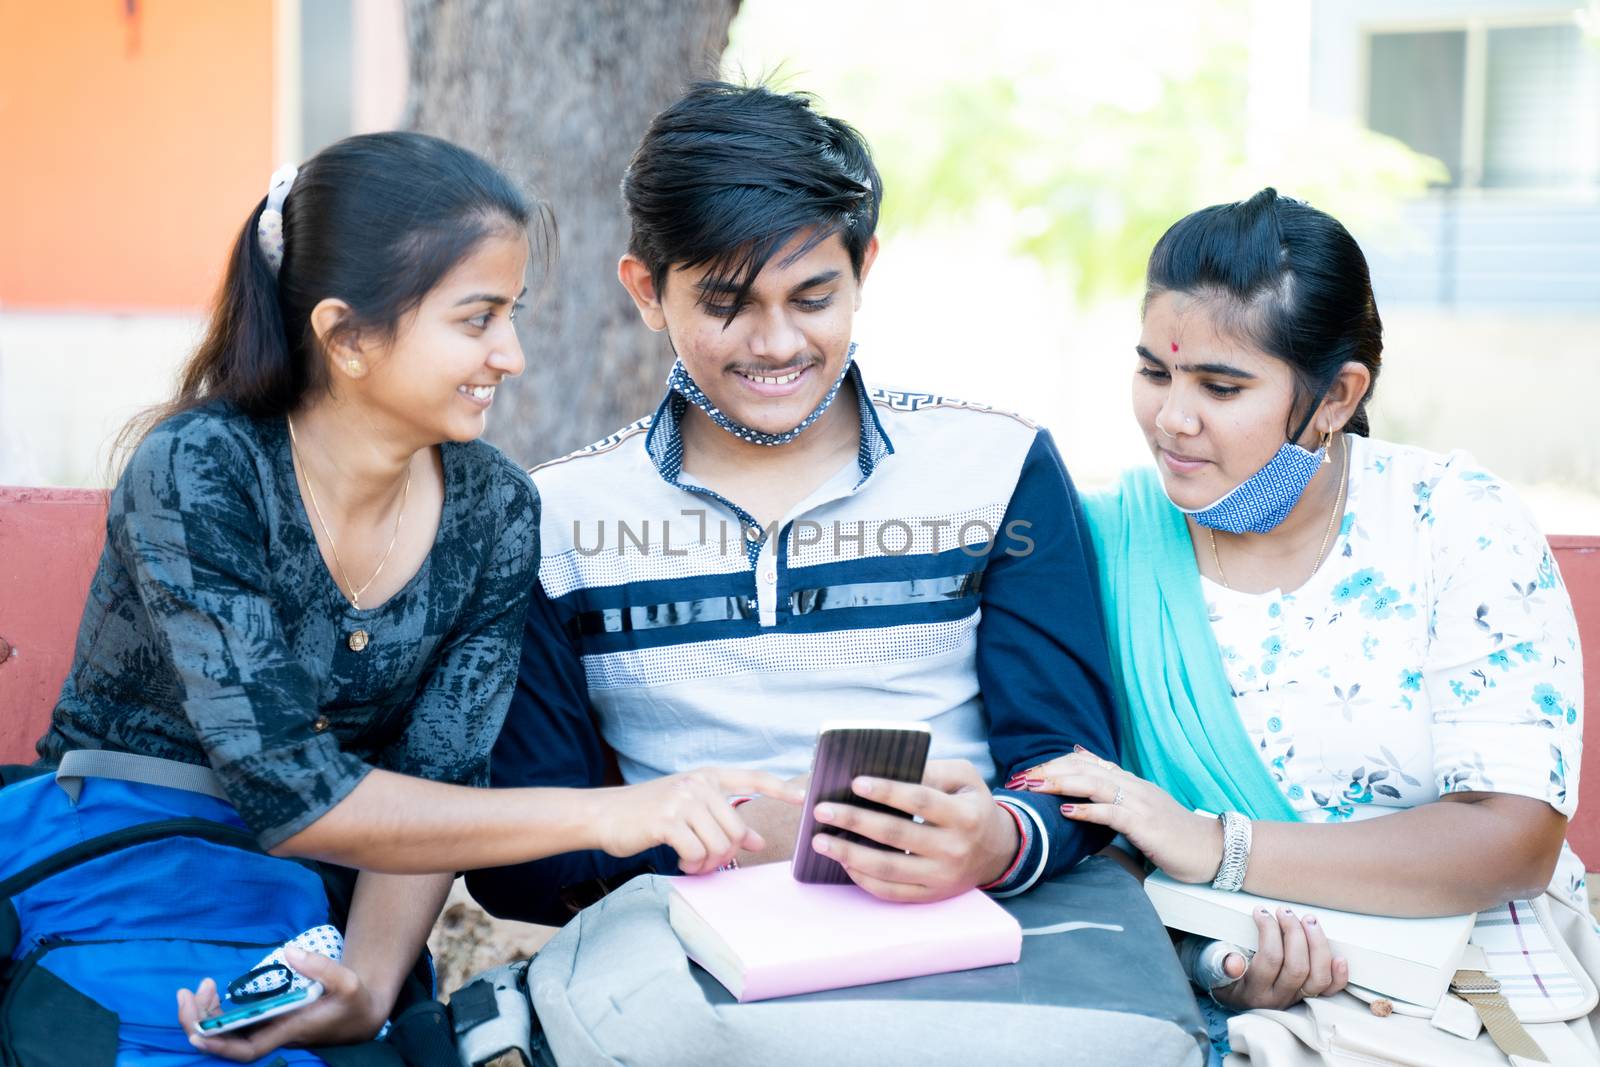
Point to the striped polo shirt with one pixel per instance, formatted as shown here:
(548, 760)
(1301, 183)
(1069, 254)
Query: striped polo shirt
(942, 576)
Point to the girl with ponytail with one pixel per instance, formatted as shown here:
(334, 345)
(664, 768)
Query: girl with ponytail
(305, 627)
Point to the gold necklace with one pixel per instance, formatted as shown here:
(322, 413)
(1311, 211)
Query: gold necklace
(1338, 509)
(405, 494)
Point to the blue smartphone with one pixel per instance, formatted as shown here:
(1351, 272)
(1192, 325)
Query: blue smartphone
(260, 1011)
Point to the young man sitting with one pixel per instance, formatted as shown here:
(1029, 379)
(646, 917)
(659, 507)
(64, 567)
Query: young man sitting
(781, 544)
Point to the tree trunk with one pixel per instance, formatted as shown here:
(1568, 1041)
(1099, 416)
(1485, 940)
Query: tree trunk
(557, 93)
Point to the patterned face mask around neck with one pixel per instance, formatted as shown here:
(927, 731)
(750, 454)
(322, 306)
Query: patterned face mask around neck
(1263, 500)
(680, 382)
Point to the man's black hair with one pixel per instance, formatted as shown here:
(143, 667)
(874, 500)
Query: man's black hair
(730, 174)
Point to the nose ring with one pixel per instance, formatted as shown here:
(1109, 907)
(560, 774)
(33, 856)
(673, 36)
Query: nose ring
(1183, 424)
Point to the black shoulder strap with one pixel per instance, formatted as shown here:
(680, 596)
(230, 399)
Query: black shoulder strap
(105, 845)
(127, 837)
(12, 773)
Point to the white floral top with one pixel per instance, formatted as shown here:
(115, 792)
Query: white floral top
(1435, 651)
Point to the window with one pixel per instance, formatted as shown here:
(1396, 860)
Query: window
(342, 71)
(1503, 106)
(326, 48)
(1414, 92)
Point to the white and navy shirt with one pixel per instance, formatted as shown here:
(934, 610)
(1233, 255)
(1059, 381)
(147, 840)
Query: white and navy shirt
(942, 576)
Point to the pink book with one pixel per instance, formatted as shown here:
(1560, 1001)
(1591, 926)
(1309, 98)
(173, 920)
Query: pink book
(763, 934)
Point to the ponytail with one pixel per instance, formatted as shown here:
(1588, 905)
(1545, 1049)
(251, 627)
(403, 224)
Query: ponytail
(246, 354)
(374, 220)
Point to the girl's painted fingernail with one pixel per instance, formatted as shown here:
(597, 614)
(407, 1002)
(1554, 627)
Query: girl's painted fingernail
(1311, 920)
(1015, 781)
(1068, 809)
(1079, 748)
(1264, 912)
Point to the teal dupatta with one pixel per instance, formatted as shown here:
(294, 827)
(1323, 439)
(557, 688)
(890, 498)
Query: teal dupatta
(1180, 728)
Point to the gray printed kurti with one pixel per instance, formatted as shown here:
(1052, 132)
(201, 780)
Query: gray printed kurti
(214, 634)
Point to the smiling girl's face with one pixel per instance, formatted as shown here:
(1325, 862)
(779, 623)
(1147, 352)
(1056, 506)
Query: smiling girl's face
(435, 380)
(1213, 407)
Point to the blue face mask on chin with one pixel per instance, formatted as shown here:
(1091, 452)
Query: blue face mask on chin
(1263, 500)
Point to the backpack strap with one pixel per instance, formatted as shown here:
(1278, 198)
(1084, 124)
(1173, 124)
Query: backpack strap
(1482, 991)
(94, 848)
(12, 773)
(83, 763)
(127, 837)
(338, 882)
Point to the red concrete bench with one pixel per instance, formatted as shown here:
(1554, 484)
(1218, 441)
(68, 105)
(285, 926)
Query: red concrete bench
(50, 540)
(1579, 560)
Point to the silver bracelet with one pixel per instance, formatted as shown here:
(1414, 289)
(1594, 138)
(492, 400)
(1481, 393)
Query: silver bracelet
(1235, 852)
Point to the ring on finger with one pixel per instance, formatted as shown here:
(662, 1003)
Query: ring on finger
(1116, 798)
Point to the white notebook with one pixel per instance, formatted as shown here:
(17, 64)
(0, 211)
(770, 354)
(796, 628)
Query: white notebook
(1405, 959)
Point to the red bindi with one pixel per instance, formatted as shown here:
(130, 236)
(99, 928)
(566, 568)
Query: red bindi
(1174, 346)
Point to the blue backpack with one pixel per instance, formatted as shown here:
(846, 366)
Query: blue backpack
(137, 891)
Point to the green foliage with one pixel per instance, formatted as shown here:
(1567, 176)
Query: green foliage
(1076, 133)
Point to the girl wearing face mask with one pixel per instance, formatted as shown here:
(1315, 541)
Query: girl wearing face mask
(1312, 627)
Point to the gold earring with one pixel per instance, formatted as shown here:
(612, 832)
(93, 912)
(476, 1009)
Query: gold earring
(1327, 447)
(353, 366)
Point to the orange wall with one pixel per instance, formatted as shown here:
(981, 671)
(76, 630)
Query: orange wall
(135, 136)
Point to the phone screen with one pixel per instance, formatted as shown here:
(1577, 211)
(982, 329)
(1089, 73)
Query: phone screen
(846, 751)
(260, 1011)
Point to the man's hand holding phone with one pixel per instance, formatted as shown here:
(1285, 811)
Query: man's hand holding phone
(964, 839)
(347, 1011)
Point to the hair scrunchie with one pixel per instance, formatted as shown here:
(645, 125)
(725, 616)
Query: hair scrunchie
(269, 230)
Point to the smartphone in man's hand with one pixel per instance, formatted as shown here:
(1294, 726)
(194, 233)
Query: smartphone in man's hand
(847, 750)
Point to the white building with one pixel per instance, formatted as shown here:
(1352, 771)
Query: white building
(1506, 93)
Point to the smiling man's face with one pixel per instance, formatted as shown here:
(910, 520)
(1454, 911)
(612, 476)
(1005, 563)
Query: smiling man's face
(770, 364)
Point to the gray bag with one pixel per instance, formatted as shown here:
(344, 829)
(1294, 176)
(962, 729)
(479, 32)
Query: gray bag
(1098, 983)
